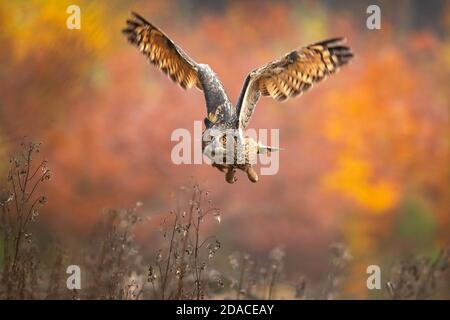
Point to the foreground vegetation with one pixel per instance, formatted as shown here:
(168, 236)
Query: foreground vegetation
(184, 266)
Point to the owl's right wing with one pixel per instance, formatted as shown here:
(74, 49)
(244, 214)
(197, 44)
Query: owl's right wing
(291, 75)
(162, 52)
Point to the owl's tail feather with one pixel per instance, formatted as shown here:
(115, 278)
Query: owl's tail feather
(262, 149)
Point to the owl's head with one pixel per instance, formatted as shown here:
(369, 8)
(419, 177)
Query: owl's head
(220, 145)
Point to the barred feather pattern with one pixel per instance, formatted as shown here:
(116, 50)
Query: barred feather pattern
(162, 52)
(292, 75)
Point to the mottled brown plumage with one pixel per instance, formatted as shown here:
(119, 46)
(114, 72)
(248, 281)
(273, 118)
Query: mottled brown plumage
(162, 52)
(291, 75)
(281, 79)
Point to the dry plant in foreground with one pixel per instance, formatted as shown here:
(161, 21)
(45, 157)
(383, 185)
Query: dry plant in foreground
(183, 268)
(19, 207)
(421, 278)
(266, 279)
(113, 265)
(253, 279)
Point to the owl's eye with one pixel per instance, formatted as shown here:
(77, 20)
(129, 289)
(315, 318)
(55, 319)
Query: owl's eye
(223, 139)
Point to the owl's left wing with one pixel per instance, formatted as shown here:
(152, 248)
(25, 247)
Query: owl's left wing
(162, 52)
(291, 75)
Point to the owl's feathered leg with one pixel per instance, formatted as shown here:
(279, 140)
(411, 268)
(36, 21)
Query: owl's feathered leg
(251, 173)
(229, 172)
(229, 176)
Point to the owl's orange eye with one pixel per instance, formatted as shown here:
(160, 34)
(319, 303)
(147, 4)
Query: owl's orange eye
(223, 139)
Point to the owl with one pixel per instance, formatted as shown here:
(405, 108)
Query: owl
(223, 139)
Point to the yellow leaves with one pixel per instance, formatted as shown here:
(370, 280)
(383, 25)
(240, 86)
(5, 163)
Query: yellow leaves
(382, 130)
(354, 179)
(312, 20)
(37, 26)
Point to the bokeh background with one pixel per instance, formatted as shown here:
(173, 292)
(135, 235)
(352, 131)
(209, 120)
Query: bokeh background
(367, 154)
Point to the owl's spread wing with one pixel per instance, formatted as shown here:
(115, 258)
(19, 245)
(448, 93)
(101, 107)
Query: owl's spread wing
(291, 75)
(162, 52)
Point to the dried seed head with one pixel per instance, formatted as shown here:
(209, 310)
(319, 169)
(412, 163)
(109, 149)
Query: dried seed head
(159, 256)
(43, 200)
(46, 176)
(233, 262)
(34, 215)
(178, 273)
(277, 254)
(151, 275)
(9, 199)
(28, 237)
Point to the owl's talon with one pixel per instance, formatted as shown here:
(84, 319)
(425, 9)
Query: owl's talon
(252, 175)
(230, 177)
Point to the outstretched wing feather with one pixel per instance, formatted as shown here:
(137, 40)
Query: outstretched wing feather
(162, 52)
(291, 75)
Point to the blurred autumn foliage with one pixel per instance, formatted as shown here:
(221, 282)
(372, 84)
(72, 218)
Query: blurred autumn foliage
(367, 153)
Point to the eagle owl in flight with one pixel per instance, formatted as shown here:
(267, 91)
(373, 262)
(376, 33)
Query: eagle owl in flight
(223, 140)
